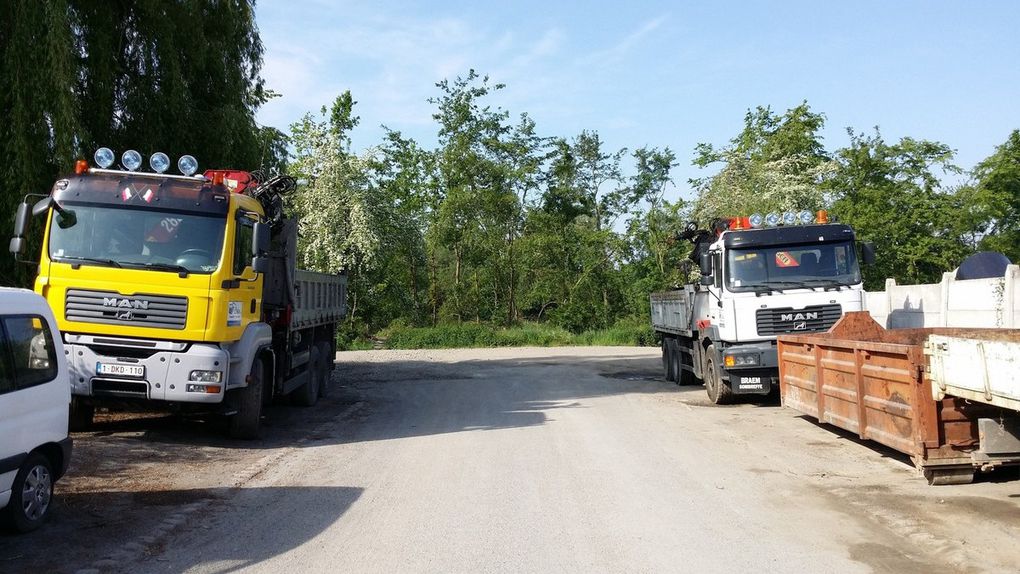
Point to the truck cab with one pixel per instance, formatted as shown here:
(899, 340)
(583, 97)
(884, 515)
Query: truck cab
(757, 281)
(181, 291)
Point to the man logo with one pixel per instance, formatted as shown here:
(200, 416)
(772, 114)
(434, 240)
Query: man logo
(800, 326)
(798, 316)
(126, 315)
(125, 303)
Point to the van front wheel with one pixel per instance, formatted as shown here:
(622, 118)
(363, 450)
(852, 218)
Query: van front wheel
(31, 494)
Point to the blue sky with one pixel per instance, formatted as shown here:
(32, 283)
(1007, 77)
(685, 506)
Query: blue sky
(658, 73)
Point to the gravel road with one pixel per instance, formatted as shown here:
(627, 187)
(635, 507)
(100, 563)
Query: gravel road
(512, 460)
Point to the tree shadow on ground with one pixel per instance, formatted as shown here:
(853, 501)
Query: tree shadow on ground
(86, 523)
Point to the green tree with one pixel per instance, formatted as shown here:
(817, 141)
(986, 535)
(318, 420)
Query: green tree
(994, 200)
(178, 77)
(776, 163)
(891, 195)
(341, 218)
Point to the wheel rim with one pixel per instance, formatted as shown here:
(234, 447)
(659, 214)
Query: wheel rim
(36, 493)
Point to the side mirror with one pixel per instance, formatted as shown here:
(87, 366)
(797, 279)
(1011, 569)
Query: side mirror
(17, 245)
(260, 247)
(42, 205)
(21, 220)
(705, 263)
(65, 217)
(868, 252)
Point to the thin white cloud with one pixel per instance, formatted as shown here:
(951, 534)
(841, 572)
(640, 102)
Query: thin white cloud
(622, 48)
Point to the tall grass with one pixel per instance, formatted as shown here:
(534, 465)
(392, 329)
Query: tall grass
(473, 335)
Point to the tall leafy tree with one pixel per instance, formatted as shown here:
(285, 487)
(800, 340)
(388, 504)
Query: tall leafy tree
(776, 163)
(891, 194)
(994, 199)
(178, 77)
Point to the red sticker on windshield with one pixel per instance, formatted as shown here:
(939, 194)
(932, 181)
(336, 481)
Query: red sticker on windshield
(784, 259)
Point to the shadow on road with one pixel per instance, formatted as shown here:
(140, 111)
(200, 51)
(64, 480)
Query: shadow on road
(85, 523)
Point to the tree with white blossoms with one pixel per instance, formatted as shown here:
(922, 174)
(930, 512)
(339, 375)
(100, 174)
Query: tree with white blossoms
(339, 213)
(777, 163)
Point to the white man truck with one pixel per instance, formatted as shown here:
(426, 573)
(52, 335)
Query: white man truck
(181, 291)
(761, 276)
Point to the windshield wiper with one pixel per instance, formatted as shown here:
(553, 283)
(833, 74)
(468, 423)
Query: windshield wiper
(802, 284)
(827, 283)
(180, 269)
(97, 260)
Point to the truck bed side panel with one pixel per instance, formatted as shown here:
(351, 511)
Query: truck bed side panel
(672, 311)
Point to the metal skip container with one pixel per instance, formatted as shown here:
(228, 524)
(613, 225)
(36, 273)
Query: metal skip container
(874, 382)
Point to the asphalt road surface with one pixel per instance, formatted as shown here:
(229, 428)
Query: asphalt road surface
(512, 460)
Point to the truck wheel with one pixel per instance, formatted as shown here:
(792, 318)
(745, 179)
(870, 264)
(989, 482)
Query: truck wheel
(668, 362)
(81, 415)
(684, 376)
(31, 494)
(718, 392)
(308, 394)
(246, 422)
(677, 361)
(327, 359)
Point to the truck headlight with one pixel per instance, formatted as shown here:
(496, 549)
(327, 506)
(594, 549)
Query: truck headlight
(206, 376)
(740, 360)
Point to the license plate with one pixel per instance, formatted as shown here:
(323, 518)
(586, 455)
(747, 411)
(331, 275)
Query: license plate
(751, 384)
(137, 371)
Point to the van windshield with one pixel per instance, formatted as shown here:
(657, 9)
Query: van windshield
(139, 238)
(792, 266)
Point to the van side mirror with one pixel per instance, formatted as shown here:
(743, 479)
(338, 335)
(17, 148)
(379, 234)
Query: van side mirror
(868, 252)
(260, 247)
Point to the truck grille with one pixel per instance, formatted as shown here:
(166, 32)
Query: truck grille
(112, 308)
(790, 320)
(113, 388)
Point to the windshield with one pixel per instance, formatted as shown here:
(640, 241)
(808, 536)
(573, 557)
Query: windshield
(790, 267)
(139, 238)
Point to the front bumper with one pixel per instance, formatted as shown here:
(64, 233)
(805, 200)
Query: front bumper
(758, 379)
(167, 367)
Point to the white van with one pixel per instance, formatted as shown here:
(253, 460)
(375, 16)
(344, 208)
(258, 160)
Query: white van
(34, 396)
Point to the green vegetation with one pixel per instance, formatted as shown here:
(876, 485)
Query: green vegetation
(463, 335)
(178, 77)
(499, 234)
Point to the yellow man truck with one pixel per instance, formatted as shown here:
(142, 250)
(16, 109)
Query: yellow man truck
(181, 291)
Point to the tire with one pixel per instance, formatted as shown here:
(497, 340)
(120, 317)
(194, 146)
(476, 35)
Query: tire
(669, 365)
(245, 424)
(308, 394)
(81, 416)
(666, 366)
(677, 361)
(31, 494)
(685, 376)
(718, 392)
(327, 360)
